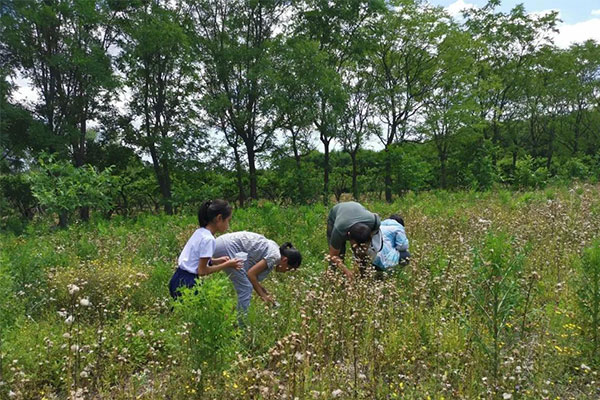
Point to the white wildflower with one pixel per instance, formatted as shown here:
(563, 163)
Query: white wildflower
(73, 288)
(337, 393)
(507, 396)
(85, 302)
(69, 320)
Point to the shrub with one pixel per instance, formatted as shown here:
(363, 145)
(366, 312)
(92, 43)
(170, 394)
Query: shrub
(208, 311)
(495, 294)
(62, 188)
(588, 296)
(529, 174)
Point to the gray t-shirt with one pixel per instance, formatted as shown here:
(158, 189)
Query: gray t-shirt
(343, 215)
(258, 248)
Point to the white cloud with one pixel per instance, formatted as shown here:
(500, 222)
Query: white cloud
(457, 7)
(578, 32)
(596, 12)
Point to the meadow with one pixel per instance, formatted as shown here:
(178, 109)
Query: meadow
(501, 300)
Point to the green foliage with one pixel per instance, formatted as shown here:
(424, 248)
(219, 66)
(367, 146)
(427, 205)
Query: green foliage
(574, 168)
(528, 173)
(62, 188)
(495, 293)
(588, 296)
(208, 310)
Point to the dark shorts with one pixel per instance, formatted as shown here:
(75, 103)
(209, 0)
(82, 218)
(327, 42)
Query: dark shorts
(181, 278)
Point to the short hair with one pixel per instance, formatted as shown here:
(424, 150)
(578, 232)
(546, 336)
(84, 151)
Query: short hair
(397, 218)
(360, 233)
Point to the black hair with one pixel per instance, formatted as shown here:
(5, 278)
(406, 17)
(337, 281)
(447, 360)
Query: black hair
(397, 218)
(210, 209)
(360, 233)
(293, 255)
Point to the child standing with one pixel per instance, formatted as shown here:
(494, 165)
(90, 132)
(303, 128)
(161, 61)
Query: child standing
(196, 257)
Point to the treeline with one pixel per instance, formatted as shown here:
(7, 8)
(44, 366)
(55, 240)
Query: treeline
(150, 103)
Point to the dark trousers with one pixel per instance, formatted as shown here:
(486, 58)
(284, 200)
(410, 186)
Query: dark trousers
(181, 278)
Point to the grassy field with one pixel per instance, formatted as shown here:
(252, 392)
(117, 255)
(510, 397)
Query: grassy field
(501, 300)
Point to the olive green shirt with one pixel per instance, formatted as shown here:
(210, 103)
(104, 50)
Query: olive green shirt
(341, 218)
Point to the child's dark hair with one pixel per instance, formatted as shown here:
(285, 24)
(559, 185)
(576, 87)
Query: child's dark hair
(210, 209)
(397, 218)
(360, 233)
(293, 255)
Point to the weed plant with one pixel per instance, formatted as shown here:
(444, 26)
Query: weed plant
(477, 314)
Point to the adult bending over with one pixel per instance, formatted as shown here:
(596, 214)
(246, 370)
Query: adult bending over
(263, 256)
(352, 222)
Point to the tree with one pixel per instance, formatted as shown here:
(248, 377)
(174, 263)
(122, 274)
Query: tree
(583, 87)
(294, 97)
(358, 123)
(157, 64)
(403, 61)
(509, 42)
(232, 40)
(339, 29)
(450, 107)
(62, 47)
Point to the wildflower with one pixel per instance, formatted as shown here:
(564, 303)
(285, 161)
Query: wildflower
(337, 393)
(85, 302)
(507, 396)
(69, 320)
(83, 374)
(72, 288)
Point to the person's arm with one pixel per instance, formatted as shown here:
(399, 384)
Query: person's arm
(334, 256)
(401, 241)
(219, 260)
(205, 269)
(253, 273)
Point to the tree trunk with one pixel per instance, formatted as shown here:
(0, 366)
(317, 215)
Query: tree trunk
(388, 174)
(298, 169)
(63, 219)
(252, 171)
(239, 173)
(443, 173)
(84, 212)
(326, 173)
(354, 176)
(163, 181)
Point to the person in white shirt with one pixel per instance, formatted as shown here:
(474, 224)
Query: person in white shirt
(196, 257)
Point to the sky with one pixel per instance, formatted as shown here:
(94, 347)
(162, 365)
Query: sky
(580, 18)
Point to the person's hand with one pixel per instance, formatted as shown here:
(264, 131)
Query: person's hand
(349, 274)
(268, 299)
(235, 263)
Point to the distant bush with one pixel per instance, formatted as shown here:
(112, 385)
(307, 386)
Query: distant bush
(529, 174)
(62, 188)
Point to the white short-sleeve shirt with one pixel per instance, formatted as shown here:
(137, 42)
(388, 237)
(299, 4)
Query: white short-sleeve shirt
(200, 245)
